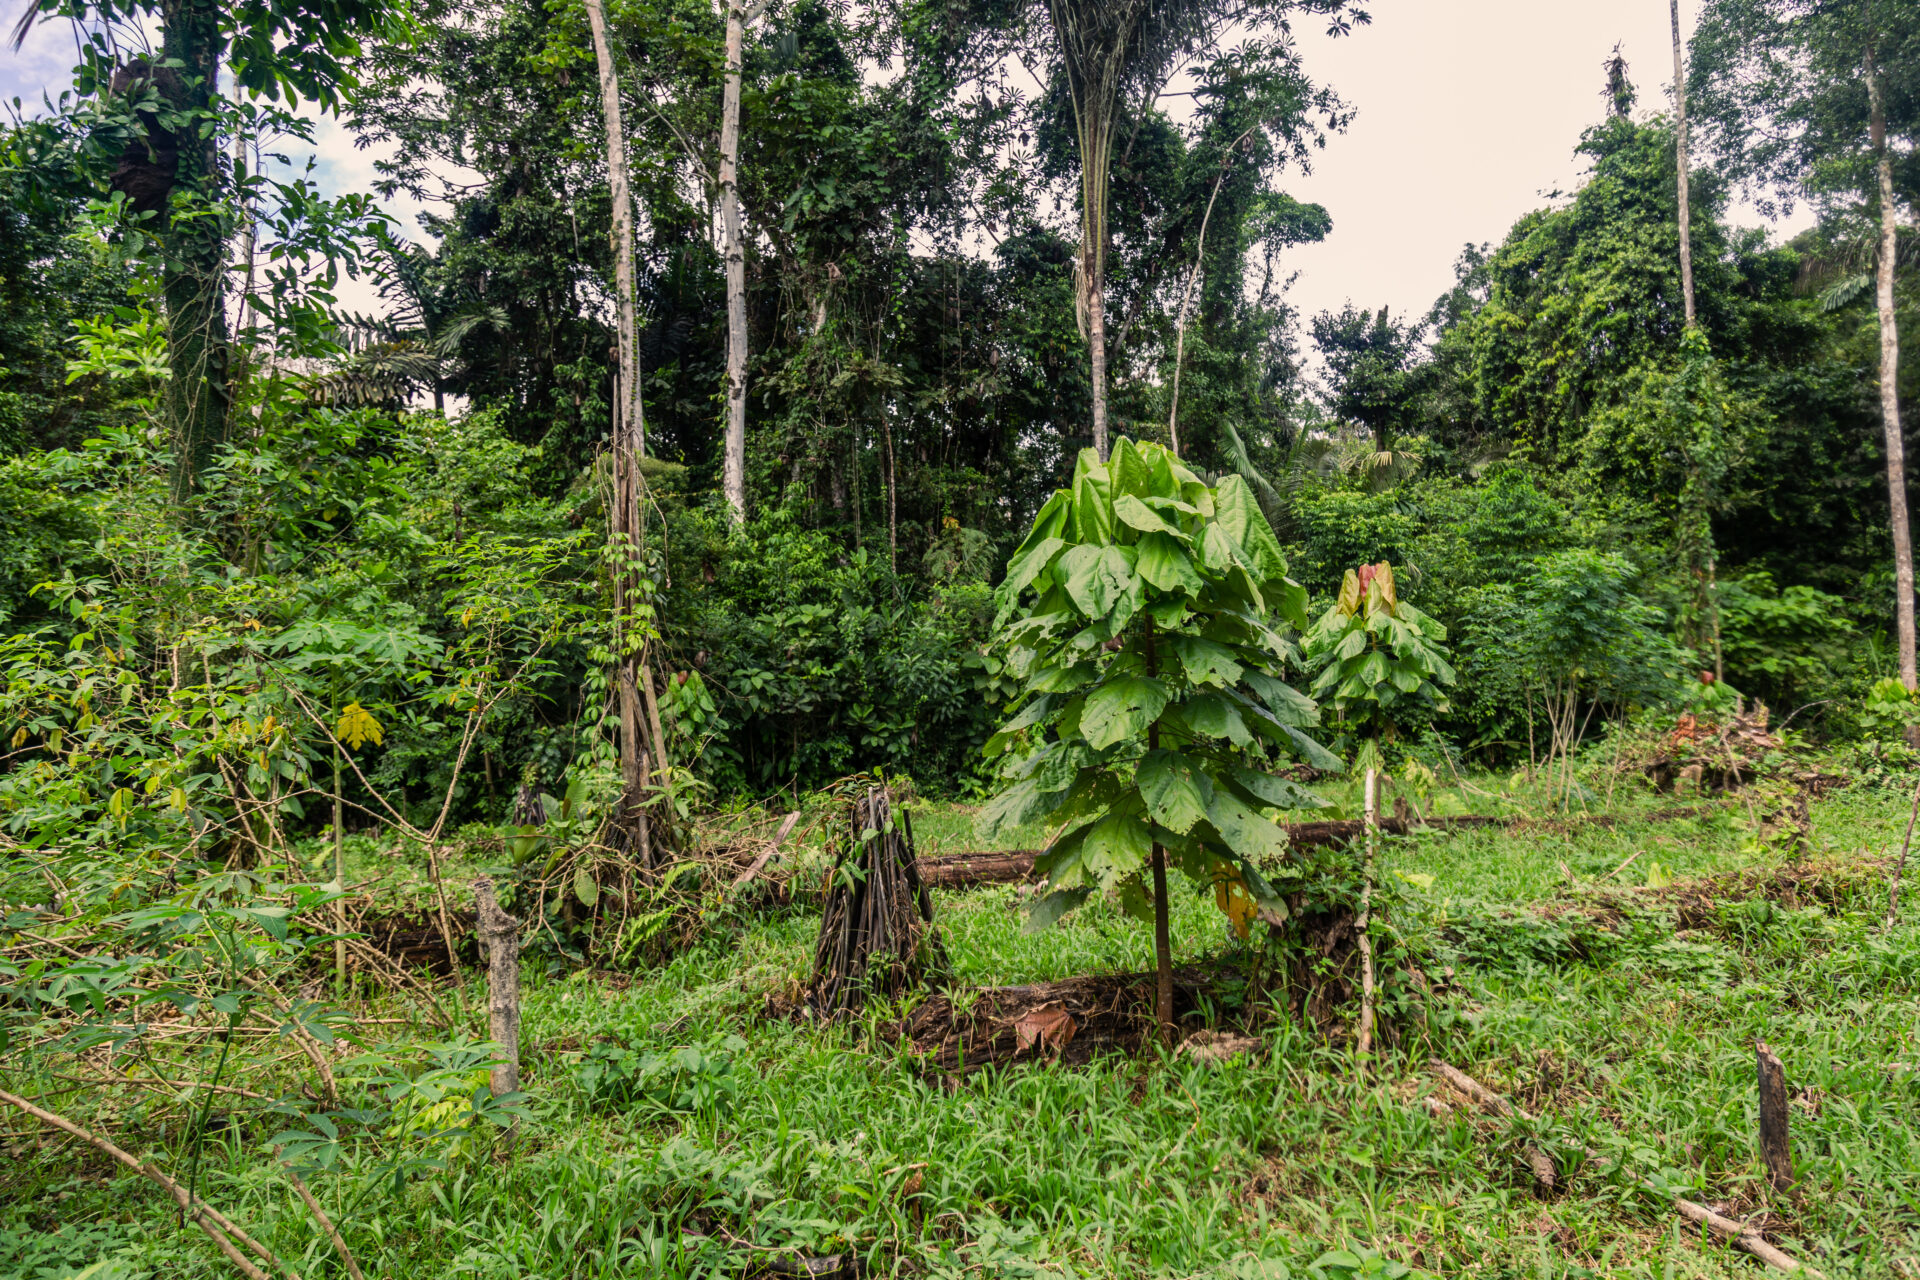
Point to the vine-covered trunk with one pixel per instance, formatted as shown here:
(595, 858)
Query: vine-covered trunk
(733, 465)
(194, 248)
(629, 444)
(1890, 379)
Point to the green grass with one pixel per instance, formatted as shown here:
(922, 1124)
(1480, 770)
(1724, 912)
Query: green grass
(1626, 1035)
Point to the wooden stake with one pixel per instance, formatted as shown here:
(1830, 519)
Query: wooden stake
(500, 933)
(1370, 815)
(1775, 1148)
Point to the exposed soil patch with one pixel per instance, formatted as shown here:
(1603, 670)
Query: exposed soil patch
(1069, 1021)
(414, 942)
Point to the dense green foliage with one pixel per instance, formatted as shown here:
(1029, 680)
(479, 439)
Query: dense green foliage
(1145, 680)
(288, 657)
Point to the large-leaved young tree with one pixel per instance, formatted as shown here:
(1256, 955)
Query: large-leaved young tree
(1142, 628)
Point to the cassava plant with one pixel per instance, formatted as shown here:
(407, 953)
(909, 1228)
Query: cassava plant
(1145, 660)
(1377, 660)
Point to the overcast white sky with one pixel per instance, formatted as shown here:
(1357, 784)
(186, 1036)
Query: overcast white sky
(1468, 114)
(1469, 111)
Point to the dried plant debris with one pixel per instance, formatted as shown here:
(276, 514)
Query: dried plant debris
(877, 936)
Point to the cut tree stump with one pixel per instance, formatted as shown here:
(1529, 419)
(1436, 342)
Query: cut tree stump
(877, 937)
(1775, 1146)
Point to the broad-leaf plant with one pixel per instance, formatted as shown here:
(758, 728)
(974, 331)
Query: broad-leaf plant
(1377, 661)
(1142, 628)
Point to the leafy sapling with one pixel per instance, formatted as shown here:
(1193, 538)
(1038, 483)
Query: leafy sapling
(1377, 661)
(1137, 628)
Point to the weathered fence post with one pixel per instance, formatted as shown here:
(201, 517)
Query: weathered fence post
(500, 935)
(1774, 1146)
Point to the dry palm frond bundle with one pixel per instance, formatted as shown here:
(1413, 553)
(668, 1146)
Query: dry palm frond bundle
(877, 936)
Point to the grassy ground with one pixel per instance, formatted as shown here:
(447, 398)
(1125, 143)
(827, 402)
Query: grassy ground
(1618, 1006)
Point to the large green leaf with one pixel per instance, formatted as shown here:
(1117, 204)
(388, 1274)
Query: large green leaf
(1165, 564)
(1206, 661)
(1047, 910)
(1174, 792)
(1018, 805)
(1116, 846)
(1026, 567)
(1101, 581)
(1129, 472)
(1136, 514)
(1240, 515)
(1212, 714)
(1092, 500)
(1121, 709)
(1287, 704)
(1244, 831)
(1283, 793)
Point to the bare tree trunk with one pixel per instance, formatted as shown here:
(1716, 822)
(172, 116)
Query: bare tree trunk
(1370, 817)
(631, 413)
(1097, 344)
(733, 468)
(1890, 380)
(893, 501)
(1162, 937)
(1681, 163)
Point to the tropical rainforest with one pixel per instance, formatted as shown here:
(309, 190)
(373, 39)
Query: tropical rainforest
(832, 679)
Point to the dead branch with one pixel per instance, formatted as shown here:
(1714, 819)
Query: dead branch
(218, 1228)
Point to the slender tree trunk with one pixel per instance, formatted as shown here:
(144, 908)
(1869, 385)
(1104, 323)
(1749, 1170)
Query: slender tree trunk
(893, 501)
(1363, 927)
(1180, 328)
(1162, 935)
(1186, 294)
(1890, 379)
(1097, 344)
(733, 470)
(340, 879)
(632, 413)
(1681, 163)
(629, 441)
(195, 251)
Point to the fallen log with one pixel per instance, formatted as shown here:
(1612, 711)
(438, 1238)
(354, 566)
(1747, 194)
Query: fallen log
(1740, 1234)
(1069, 1021)
(1015, 866)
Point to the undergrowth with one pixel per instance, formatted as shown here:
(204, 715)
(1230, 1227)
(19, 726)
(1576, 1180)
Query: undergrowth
(674, 1131)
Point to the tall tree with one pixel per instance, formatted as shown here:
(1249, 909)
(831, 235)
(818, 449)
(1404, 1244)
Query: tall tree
(1682, 169)
(734, 462)
(171, 115)
(1112, 51)
(1820, 99)
(629, 444)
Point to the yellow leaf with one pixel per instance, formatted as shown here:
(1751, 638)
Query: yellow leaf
(1232, 897)
(19, 739)
(266, 726)
(357, 727)
(179, 800)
